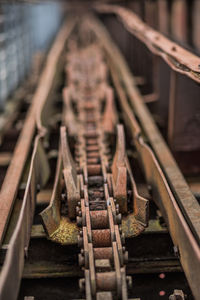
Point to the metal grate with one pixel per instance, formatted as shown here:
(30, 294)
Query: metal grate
(24, 29)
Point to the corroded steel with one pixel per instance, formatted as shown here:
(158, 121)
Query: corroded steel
(177, 295)
(96, 186)
(179, 16)
(119, 171)
(93, 185)
(70, 174)
(18, 246)
(176, 57)
(196, 24)
(14, 173)
(169, 189)
(12, 268)
(97, 213)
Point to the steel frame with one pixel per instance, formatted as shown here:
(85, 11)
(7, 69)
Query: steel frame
(177, 96)
(169, 189)
(12, 269)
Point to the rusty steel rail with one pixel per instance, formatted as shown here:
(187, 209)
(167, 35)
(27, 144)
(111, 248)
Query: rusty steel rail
(48, 77)
(12, 269)
(181, 219)
(169, 77)
(12, 179)
(91, 185)
(169, 189)
(179, 59)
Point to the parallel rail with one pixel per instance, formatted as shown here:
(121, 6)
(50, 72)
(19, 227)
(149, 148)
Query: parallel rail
(18, 245)
(170, 190)
(177, 57)
(163, 176)
(174, 86)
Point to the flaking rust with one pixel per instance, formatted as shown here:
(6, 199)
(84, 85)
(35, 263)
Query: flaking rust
(131, 227)
(66, 233)
(98, 189)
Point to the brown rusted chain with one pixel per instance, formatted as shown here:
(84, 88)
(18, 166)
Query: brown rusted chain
(100, 238)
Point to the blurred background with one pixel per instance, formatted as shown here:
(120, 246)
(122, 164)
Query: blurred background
(25, 29)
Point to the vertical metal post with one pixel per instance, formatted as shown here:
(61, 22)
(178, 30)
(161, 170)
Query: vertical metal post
(163, 16)
(184, 113)
(196, 24)
(151, 13)
(172, 108)
(179, 20)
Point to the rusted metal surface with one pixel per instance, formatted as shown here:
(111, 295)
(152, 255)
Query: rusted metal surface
(52, 211)
(95, 185)
(57, 261)
(179, 59)
(150, 13)
(14, 173)
(180, 209)
(97, 277)
(38, 174)
(70, 175)
(179, 113)
(18, 246)
(184, 123)
(177, 295)
(179, 18)
(119, 171)
(5, 158)
(101, 185)
(196, 24)
(163, 17)
(49, 75)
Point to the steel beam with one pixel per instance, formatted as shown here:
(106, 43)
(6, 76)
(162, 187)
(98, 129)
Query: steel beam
(169, 189)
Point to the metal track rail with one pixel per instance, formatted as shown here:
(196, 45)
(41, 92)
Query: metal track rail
(12, 269)
(178, 58)
(174, 87)
(94, 182)
(162, 193)
(169, 189)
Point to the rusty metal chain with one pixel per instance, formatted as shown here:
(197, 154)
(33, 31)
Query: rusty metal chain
(99, 187)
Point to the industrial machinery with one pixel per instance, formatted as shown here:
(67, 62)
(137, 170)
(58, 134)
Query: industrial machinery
(99, 154)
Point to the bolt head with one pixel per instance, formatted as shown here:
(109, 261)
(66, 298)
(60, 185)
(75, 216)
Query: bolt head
(119, 219)
(79, 221)
(81, 260)
(129, 282)
(82, 284)
(80, 241)
(125, 257)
